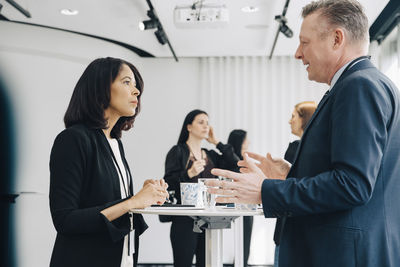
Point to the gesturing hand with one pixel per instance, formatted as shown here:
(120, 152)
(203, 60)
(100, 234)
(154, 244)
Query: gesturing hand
(211, 137)
(271, 168)
(197, 167)
(245, 188)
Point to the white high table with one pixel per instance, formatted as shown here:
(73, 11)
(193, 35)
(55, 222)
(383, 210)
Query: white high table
(213, 221)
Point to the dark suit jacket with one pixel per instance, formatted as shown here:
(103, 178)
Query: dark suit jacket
(342, 192)
(83, 182)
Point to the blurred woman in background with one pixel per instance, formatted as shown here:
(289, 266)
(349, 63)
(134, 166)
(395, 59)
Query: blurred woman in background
(238, 139)
(186, 162)
(301, 115)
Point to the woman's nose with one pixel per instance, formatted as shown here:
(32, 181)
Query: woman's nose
(135, 91)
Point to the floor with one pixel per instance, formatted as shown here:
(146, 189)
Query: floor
(170, 265)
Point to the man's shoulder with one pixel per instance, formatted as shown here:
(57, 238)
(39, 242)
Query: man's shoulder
(365, 79)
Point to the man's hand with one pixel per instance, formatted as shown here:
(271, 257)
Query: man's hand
(270, 167)
(245, 188)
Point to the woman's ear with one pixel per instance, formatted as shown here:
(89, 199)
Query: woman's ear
(189, 127)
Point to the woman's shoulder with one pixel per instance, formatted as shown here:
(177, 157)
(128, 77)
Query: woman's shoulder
(78, 133)
(178, 148)
(294, 143)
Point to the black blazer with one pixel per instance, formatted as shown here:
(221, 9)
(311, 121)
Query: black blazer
(291, 151)
(83, 182)
(177, 159)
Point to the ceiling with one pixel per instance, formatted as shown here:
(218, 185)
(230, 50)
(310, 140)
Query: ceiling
(246, 34)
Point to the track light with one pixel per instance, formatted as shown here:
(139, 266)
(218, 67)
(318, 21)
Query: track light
(148, 24)
(161, 37)
(283, 27)
(286, 30)
(19, 8)
(153, 23)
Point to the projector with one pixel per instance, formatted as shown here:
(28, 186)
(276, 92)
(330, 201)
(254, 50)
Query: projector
(206, 16)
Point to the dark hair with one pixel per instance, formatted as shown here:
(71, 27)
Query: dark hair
(305, 109)
(236, 138)
(188, 120)
(92, 95)
(348, 14)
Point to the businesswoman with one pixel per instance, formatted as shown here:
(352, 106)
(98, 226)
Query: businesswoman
(240, 143)
(301, 115)
(187, 162)
(91, 192)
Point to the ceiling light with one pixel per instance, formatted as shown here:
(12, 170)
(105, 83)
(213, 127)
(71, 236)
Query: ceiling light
(148, 24)
(250, 9)
(69, 12)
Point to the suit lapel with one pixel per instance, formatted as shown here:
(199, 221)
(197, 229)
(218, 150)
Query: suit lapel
(364, 64)
(320, 106)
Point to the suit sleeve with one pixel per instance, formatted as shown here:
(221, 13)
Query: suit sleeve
(359, 119)
(68, 160)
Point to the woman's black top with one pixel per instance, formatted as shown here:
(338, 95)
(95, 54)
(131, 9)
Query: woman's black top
(177, 164)
(83, 182)
(291, 151)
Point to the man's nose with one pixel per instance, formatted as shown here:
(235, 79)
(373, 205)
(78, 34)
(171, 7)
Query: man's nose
(298, 54)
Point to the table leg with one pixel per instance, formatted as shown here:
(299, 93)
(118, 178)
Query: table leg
(214, 257)
(238, 237)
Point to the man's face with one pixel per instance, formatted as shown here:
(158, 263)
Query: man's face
(316, 51)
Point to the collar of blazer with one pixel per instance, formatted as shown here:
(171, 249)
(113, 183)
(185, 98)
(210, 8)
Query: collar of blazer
(354, 66)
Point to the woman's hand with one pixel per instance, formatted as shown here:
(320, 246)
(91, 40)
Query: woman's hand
(211, 137)
(197, 168)
(153, 192)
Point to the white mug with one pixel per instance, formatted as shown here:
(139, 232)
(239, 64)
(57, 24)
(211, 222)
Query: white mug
(189, 193)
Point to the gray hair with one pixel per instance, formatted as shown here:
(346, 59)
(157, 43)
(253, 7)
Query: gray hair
(348, 14)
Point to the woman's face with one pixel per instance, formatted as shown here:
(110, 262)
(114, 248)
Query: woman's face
(295, 123)
(124, 94)
(199, 127)
(245, 145)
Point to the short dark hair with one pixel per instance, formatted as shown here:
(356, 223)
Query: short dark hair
(236, 139)
(184, 135)
(305, 109)
(92, 95)
(348, 14)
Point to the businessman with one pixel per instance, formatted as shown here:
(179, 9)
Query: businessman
(338, 204)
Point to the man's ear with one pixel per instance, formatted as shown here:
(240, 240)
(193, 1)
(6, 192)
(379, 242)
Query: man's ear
(339, 38)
